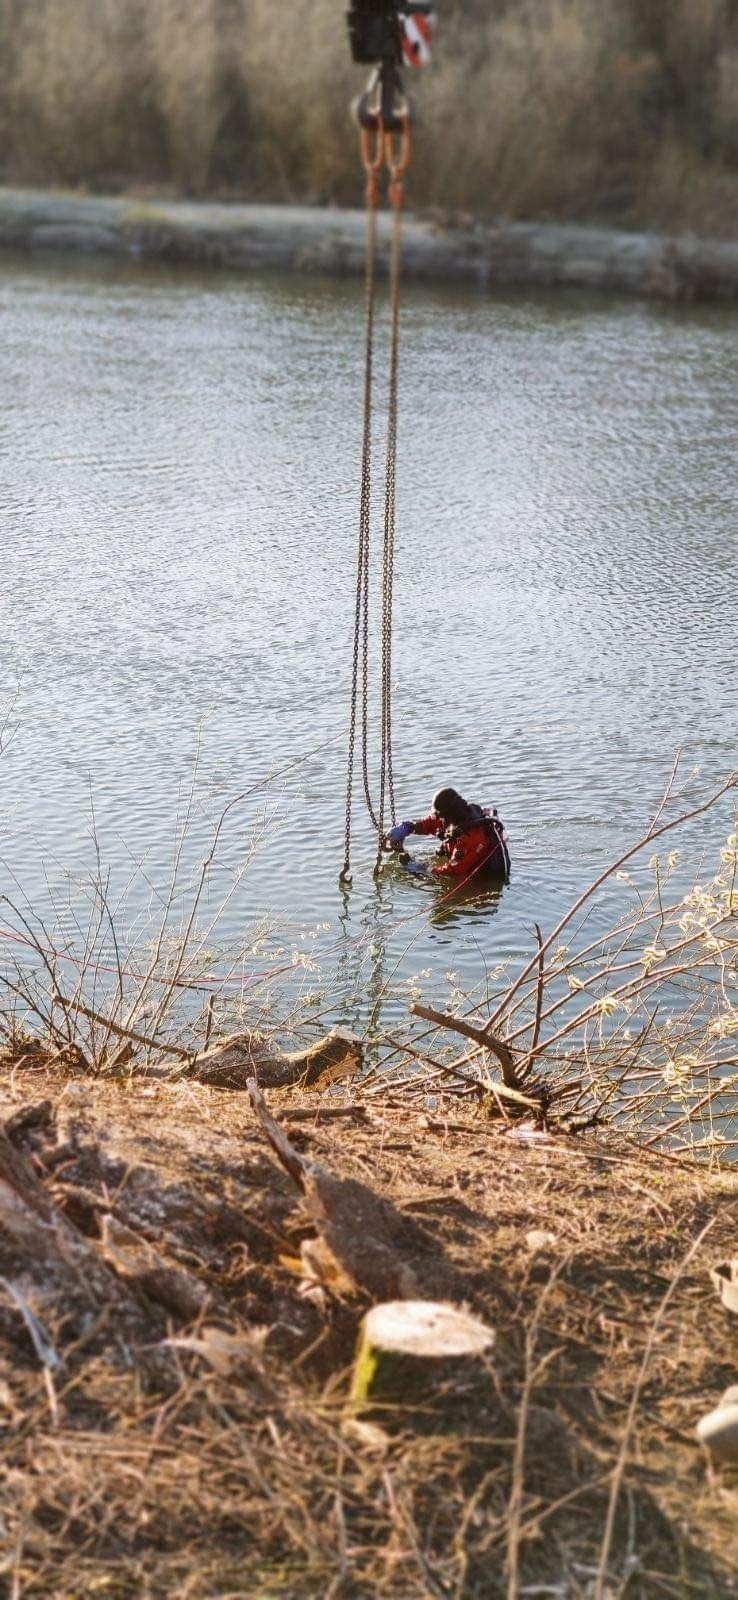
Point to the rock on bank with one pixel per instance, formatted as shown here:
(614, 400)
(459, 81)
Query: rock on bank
(307, 239)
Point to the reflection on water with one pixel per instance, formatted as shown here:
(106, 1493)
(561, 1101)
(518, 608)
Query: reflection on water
(449, 904)
(466, 906)
(179, 496)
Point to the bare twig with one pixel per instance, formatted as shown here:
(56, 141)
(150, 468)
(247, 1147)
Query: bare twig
(481, 1036)
(652, 833)
(617, 1477)
(148, 1042)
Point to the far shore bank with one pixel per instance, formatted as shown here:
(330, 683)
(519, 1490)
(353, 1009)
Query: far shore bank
(331, 241)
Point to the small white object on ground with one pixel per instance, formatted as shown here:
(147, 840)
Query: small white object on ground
(426, 1328)
(725, 1279)
(718, 1430)
(539, 1239)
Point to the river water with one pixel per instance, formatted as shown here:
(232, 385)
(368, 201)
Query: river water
(179, 500)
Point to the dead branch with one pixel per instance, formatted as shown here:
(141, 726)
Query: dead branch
(122, 1032)
(291, 1160)
(444, 1019)
(653, 832)
(380, 1249)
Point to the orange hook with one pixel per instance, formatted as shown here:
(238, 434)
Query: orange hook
(397, 157)
(372, 158)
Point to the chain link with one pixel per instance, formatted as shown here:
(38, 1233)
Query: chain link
(396, 158)
(386, 778)
(361, 604)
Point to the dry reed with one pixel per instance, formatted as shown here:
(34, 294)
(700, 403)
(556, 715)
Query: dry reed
(631, 1022)
(559, 108)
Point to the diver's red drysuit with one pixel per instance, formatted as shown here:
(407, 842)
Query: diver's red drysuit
(467, 848)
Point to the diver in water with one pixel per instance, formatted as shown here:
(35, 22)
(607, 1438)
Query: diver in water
(472, 838)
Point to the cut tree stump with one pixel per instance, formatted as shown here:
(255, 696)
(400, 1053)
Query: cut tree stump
(416, 1353)
(233, 1061)
(725, 1280)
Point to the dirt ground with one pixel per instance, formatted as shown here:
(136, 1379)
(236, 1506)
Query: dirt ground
(179, 1424)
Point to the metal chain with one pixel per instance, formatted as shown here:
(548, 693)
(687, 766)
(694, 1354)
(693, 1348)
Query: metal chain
(372, 163)
(386, 775)
(396, 158)
(365, 539)
(397, 162)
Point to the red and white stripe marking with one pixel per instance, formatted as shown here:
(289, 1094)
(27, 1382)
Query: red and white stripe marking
(417, 33)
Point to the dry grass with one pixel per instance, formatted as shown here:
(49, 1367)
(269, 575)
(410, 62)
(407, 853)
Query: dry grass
(155, 1474)
(559, 107)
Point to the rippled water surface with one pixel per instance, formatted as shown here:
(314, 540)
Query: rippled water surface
(179, 496)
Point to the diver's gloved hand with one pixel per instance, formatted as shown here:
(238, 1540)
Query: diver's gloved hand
(416, 868)
(397, 835)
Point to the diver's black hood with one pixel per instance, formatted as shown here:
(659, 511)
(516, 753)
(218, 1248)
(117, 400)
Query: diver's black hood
(452, 807)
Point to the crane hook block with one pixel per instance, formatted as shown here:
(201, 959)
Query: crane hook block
(391, 31)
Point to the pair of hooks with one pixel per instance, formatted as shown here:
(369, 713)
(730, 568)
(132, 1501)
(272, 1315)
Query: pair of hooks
(382, 147)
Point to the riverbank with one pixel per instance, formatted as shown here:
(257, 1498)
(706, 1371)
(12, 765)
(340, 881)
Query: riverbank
(331, 241)
(194, 1225)
(176, 1392)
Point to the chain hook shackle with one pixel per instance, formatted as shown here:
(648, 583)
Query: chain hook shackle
(397, 157)
(372, 158)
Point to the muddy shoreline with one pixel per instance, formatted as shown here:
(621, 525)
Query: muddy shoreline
(331, 241)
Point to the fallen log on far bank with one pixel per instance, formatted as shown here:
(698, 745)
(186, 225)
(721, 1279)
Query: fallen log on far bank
(230, 1062)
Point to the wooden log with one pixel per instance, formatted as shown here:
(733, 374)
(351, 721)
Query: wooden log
(233, 1061)
(416, 1353)
(382, 1251)
(482, 1036)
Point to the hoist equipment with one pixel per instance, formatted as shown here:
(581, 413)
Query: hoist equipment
(385, 34)
(390, 34)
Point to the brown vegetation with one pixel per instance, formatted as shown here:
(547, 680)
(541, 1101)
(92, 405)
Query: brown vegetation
(624, 112)
(179, 1314)
(179, 1422)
